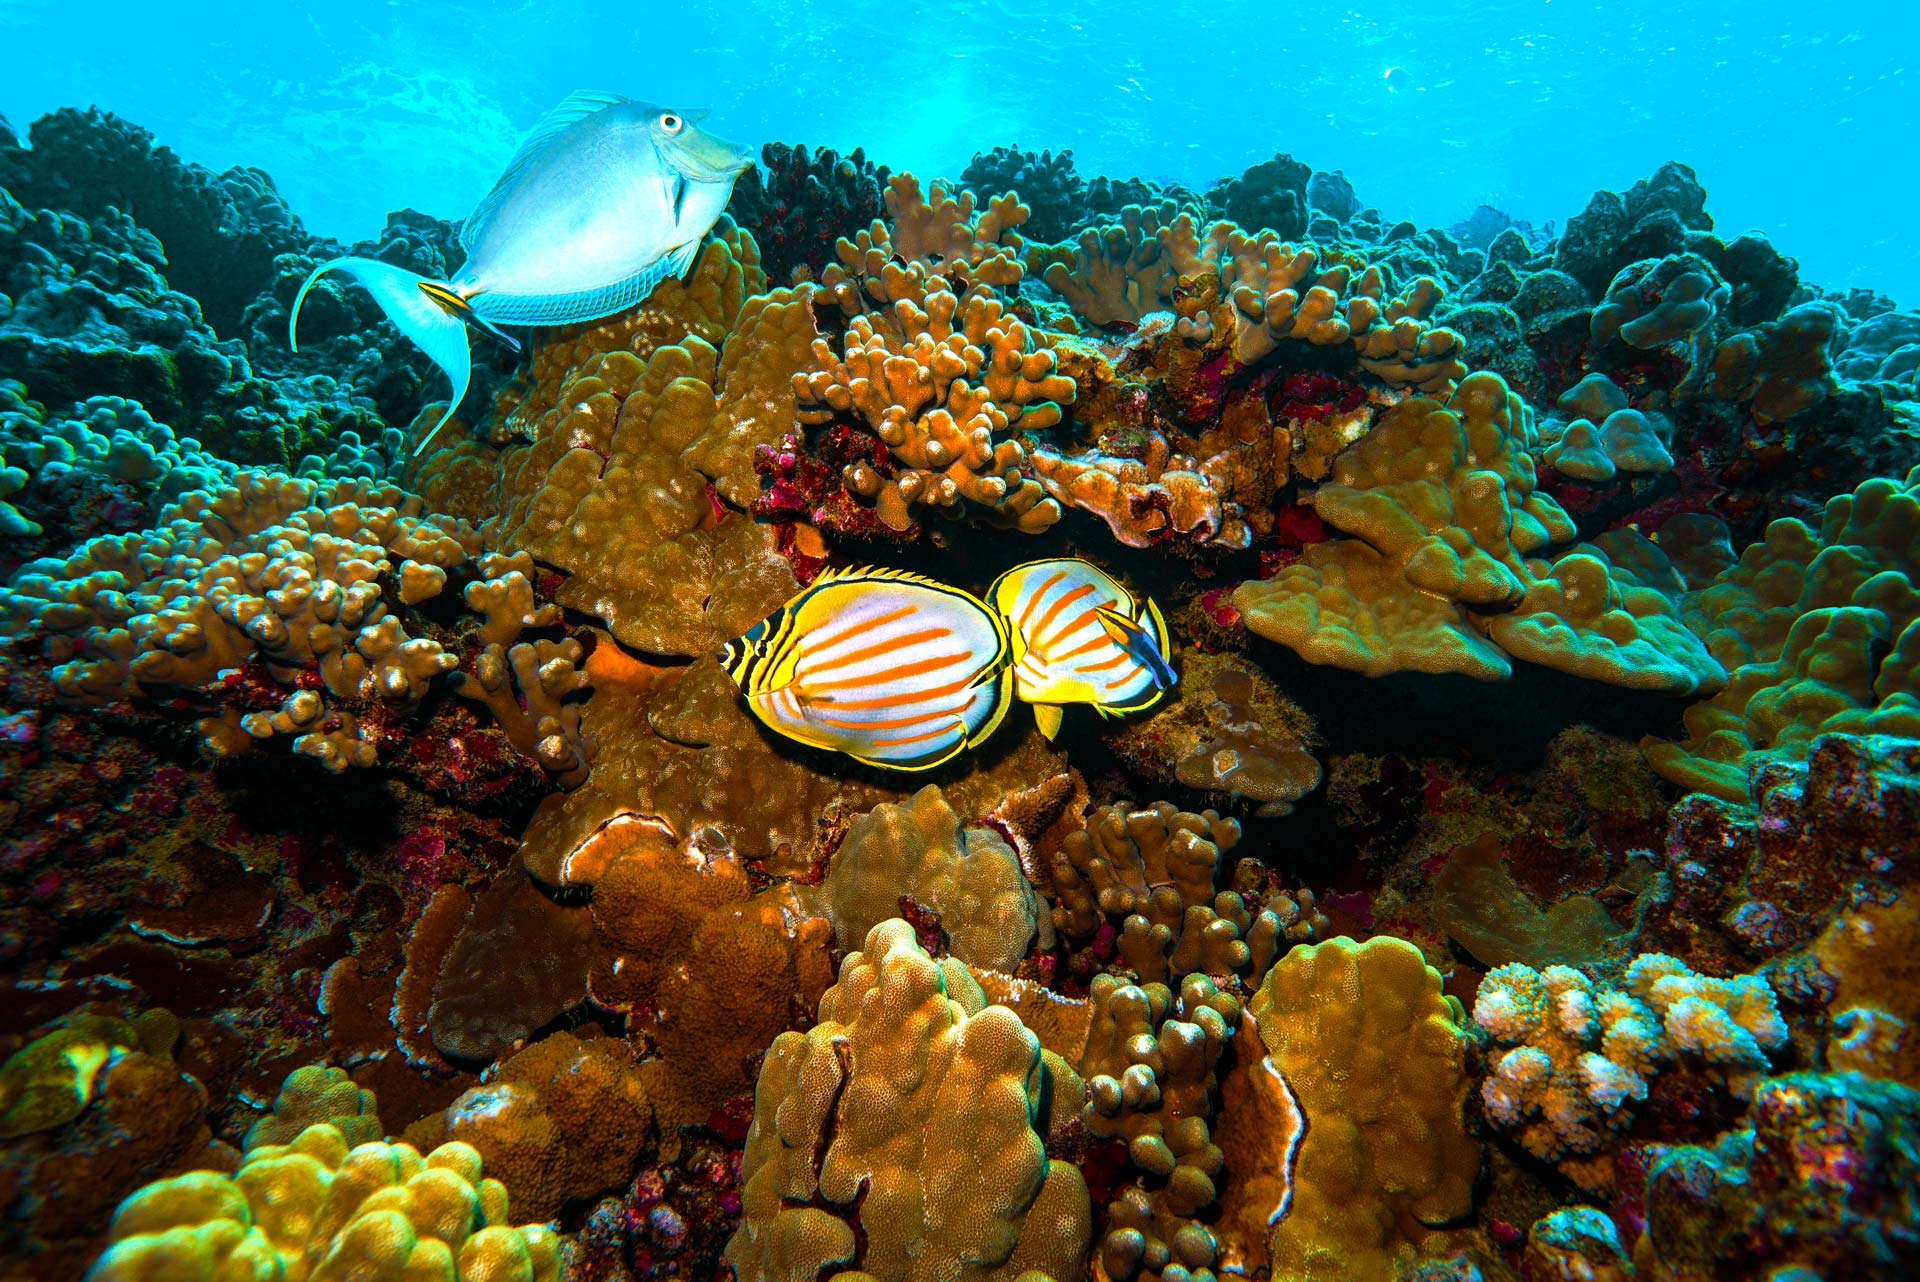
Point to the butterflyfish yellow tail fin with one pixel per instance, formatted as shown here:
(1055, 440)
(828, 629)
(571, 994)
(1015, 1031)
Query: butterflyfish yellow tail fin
(418, 307)
(1048, 717)
(1143, 649)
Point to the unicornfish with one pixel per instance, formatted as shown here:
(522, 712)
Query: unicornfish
(888, 667)
(605, 199)
(1080, 637)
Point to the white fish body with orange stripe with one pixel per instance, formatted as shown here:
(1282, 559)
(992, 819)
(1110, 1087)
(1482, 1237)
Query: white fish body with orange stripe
(1080, 637)
(890, 668)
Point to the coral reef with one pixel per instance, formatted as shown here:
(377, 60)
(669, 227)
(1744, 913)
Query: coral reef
(1176, 996)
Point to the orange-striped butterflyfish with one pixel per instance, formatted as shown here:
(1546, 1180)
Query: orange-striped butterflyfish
(1079, 637)
(888, 667)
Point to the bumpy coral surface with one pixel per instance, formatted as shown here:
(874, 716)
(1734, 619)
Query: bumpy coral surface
(1578, 1052)
(897, 1136)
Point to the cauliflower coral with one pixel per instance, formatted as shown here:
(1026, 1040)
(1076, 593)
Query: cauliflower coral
(1573, 1053)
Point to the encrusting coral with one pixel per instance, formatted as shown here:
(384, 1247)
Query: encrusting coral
(919, 849)
(902, 1135)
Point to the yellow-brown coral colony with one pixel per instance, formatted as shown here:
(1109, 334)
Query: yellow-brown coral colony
(552, 960)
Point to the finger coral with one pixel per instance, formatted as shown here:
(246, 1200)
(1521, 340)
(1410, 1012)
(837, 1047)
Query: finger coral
(897, 1137)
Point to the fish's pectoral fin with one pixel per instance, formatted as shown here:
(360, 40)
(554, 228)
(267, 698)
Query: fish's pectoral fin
(677, 188)
(1048, 717)
(682, 259)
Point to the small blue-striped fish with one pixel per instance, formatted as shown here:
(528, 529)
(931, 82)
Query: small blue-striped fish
(1079, 637)
(888, 667)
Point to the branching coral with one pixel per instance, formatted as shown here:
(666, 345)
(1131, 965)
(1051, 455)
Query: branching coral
(1821, 632)
(901, 1136)
(921, 399)
(943, 389)
(1577, 1052)
(1043, 181)
(1272, 292)
(290, 575)
(798, 208)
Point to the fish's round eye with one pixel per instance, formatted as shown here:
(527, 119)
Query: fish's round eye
(671, 123)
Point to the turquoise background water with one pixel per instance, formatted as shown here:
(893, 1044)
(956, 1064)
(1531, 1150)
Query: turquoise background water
(1801, 119)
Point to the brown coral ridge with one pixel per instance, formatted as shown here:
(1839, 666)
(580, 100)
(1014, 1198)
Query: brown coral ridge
(1441, 577)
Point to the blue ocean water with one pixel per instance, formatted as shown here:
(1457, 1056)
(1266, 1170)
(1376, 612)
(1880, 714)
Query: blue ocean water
(1799, 118)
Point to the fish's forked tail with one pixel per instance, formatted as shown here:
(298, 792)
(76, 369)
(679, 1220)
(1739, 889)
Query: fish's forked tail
(426, 311)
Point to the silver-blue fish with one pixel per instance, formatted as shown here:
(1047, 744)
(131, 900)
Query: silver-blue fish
(605, 199)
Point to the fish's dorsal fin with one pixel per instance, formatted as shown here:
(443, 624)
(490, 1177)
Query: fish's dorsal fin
(836, 574)
(577, 107)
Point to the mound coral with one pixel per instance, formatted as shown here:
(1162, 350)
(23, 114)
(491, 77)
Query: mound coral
(1577, 1052)
(628, 485)
(1361, 1045)
(1821, 632)
(903, 1135)
(321, 1208)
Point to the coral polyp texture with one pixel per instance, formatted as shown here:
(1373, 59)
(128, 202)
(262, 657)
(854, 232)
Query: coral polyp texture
(1515, 873)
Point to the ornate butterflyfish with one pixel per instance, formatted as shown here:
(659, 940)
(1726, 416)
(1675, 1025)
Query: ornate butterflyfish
(1080, 637)
(605, 199)
(888, 667)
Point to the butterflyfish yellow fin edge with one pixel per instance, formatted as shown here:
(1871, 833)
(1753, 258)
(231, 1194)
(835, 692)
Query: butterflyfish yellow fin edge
(1048, 717)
